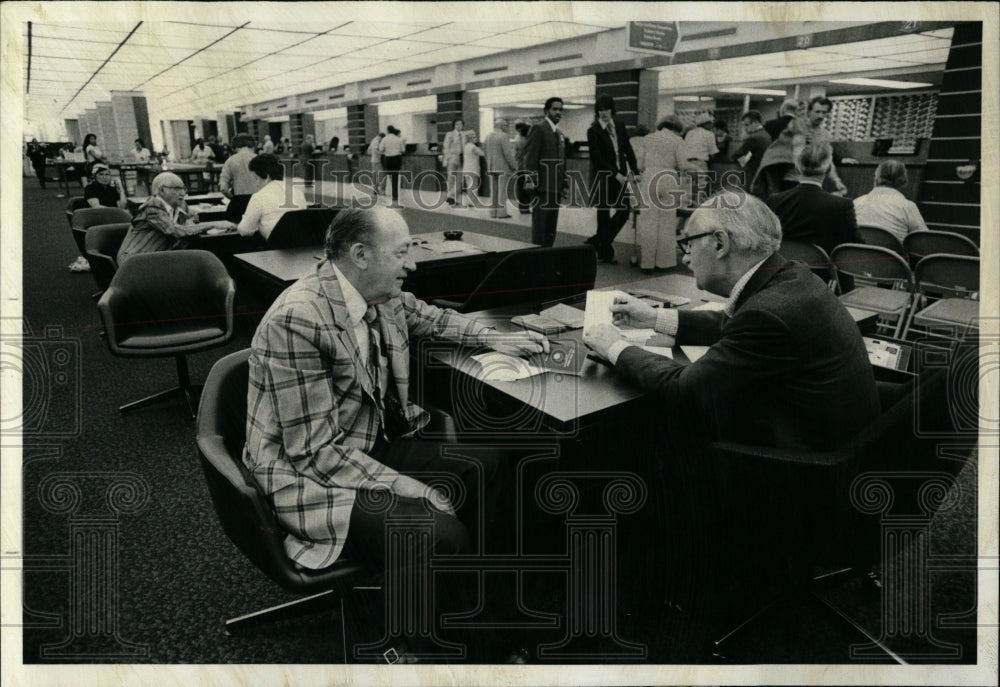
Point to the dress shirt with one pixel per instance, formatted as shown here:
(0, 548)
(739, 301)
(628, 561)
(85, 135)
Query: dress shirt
(266, 207)
(357, 306)
(392, 145)
(666, 318)
(887, 208)
(236, 176)
(609, 127)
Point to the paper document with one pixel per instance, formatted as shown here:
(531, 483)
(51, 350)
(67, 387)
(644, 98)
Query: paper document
(500, 367)
(567, 314)
(710, 305)
(694, 352)
(599, 307)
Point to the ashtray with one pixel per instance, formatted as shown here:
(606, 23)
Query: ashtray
(453, 236)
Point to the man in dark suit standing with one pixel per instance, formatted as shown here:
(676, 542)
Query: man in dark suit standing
(787, 365)
(611, 160)
(810, 214)
(545, 161)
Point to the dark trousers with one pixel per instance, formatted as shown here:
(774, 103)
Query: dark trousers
(480, 495)
(544, 218)
(394, 163)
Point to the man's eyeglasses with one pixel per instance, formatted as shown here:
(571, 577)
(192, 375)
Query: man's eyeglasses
(685, 243)
(177, 188)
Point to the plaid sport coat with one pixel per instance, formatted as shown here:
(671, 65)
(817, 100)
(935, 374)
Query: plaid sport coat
(311, 410)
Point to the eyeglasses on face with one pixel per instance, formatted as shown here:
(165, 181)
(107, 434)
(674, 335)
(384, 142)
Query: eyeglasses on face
(685, 243)
(177, 188)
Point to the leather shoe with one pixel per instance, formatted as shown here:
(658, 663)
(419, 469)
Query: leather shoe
(518, 656)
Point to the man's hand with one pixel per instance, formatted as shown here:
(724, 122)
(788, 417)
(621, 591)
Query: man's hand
(628, 311)
(600, 337)
(621, 178)
(519, 343)
(410, 488)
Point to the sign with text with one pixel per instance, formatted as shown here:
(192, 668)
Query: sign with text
(659, 37)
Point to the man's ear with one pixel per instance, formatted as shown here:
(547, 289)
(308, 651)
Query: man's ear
(722, 243)
(359, 255)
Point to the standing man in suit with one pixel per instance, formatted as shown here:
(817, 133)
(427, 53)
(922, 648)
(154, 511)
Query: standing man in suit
(810, 214)
(545, 161)
(611, 161)
(501, 163)
(787, 365)
(751, 151)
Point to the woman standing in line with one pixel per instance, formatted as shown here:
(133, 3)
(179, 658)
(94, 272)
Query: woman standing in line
(471, 155)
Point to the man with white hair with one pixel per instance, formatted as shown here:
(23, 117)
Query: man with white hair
(160, 222)
(501, 163)
(786, 365)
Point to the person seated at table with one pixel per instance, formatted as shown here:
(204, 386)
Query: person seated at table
(273, 200)
(331, 424)
(236, 179)
(201, 153)
(105, 190)
(885, 206)
(807, 212)
(786, 365)
(160, 223)
(140, 153)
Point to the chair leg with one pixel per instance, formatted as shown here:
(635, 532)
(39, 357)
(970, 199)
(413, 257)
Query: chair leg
(190, 392)
(293, 609)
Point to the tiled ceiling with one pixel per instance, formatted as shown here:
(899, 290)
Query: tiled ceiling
(188, 69)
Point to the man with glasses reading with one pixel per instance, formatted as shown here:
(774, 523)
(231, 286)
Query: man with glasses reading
(786, 365)
(161, 222)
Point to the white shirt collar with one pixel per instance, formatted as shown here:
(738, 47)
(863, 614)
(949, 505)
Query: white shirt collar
(738, 287)
(553, 125)
(814, 182)
(355, 302)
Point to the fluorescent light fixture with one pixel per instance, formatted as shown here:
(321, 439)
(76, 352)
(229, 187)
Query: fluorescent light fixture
(573, 106)
(685, 98)
(882, 83)
(753, 91)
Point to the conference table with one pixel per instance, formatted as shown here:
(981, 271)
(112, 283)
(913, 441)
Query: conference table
(564, 404)
(445, 268)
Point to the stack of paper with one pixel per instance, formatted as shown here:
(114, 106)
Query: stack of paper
(599, 307)
(567, 314)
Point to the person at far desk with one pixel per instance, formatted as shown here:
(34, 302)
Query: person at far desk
(105, 190)
(236, 179)
(161, 222)
(787, 365)
(330, 421)
(140, 153)
(273, 200)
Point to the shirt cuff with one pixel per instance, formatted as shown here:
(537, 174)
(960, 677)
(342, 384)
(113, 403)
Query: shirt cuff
(666, 322)
(616, 350)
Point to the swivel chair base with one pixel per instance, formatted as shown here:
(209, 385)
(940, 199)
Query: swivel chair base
(191, 392)
(811, 594)
(323, 601)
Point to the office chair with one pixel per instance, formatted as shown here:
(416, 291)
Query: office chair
(877, 236)
(298, 228)
(237, 207)
(88, 217)
(102, 243)
(885, 279)
(244, 512)
(804, 501)
(168, 304)
(952, 283)
(920, 244)
(72, 206)
(531, 275)
(814, 257)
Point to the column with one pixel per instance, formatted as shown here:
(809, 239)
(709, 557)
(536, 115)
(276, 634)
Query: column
(73, 130)
(107, 137)
(454, 105)
(131, 119)
(635, 94)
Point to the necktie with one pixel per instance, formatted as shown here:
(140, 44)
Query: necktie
(374, 351)
(614, 138)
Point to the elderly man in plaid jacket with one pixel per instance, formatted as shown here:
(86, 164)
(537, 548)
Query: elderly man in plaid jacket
(329, 420)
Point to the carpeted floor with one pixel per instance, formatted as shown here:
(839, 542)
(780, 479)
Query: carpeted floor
(174, 576)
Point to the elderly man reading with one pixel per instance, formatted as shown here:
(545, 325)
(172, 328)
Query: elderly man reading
(786, 366)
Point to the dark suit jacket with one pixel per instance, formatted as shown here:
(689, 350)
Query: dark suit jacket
(788, 370)
(811, 215)
(545, 154)
(604, 164)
